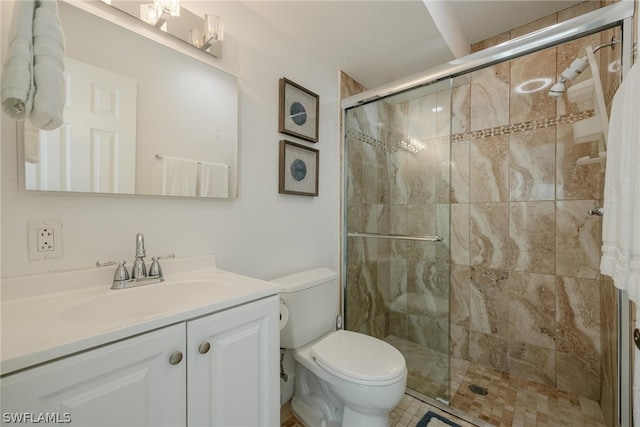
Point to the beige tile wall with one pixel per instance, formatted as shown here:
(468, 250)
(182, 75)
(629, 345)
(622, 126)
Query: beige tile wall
(533, 282)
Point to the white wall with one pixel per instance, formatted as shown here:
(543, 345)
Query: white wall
(263, 234)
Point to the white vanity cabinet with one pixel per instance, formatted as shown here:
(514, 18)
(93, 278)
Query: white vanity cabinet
(233, 367)
(128, 383)
(219, 369)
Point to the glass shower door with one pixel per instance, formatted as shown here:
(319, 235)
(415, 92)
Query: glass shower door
(398, 191)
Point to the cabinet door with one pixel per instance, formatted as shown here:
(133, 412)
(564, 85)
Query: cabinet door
(235, 382)
(128, 383)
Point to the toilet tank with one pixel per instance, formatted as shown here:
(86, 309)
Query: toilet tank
(312, 298)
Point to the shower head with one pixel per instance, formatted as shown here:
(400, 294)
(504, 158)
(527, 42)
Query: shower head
(570, 73)
(558, 88)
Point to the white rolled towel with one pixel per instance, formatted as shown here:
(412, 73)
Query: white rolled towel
(31, 143)
(17, 74)
(48, 67)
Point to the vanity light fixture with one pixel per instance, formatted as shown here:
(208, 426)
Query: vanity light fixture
(159, 12)
(209, 40)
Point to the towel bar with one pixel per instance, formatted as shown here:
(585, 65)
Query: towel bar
(160, 157)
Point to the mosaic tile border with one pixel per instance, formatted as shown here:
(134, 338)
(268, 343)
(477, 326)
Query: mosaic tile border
(392, 147)
(547, 122)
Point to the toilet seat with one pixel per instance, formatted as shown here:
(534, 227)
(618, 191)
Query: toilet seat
(348, 355)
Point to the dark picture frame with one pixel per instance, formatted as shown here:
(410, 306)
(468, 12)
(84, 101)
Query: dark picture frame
(299, 111)
(299, 167)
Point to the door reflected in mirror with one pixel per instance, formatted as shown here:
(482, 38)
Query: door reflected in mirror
(140, 118)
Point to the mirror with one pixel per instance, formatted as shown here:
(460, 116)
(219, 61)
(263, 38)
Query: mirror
(141, 117)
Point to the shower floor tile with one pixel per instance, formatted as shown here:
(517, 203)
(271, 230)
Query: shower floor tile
(510, 401)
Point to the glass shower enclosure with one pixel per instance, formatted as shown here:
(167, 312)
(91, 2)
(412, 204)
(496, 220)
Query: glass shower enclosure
(398, 235)
(462, 189)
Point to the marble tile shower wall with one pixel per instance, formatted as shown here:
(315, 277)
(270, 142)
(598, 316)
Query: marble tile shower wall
(524, 254)
(532, 228)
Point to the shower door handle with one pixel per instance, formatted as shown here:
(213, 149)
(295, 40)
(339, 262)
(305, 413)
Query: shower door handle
(397, 237)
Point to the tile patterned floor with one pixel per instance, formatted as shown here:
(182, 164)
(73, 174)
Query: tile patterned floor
(287, 419)
(518, 402)
(407, 414)
(510, 401)
(410, 410)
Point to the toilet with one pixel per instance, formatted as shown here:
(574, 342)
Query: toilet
(342, 378)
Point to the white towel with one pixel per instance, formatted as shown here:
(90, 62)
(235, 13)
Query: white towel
(621, 220)
(31, 143)
(48, 67)
(17, 73)
(179, 176)
(213, 180)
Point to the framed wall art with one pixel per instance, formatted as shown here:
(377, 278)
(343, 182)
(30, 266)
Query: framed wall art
(299, 167)
(298, 111)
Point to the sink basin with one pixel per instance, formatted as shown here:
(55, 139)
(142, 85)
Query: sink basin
(48, 316)
(149, 301)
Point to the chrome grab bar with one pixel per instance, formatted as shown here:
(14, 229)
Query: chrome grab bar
(398, 237)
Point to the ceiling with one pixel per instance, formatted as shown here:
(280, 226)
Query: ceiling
(377, 41)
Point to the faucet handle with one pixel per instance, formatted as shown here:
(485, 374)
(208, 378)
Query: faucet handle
(108, 263)
(155, 269)
(121, 273)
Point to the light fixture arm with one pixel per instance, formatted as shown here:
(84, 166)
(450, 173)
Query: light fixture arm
(164, 17)
(207, 44)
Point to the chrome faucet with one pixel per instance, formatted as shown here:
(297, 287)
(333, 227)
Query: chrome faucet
(139, 274)
(139, 269)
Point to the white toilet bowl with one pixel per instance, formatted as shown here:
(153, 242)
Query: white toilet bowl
(349, 379)
(342, 378)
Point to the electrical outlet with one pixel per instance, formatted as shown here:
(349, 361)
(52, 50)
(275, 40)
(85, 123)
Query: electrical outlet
(45, 239)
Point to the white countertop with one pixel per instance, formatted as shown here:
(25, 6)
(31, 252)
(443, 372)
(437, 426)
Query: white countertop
(48, 316)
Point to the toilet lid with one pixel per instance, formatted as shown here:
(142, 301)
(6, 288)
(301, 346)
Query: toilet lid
(359, 358)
